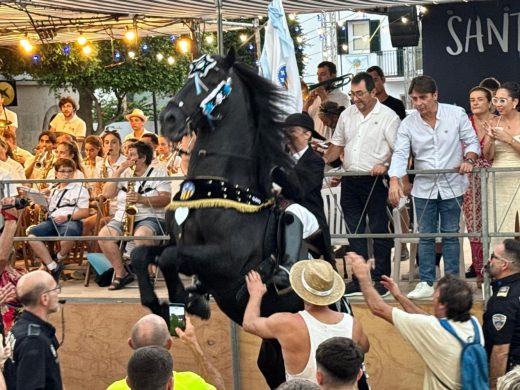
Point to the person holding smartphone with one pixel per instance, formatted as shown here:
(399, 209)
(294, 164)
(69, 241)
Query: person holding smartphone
(152, 330)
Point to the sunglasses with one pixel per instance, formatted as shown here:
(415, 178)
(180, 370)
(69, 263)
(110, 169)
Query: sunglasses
(495, 257)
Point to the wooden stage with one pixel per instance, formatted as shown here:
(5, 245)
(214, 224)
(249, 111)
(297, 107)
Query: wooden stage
(98, 322)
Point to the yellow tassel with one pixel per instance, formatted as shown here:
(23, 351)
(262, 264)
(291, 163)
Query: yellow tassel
(224, 203)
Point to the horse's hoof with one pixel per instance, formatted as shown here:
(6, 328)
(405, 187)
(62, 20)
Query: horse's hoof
(197, 305)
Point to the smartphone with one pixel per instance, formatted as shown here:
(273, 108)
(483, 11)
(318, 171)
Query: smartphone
(177, 317)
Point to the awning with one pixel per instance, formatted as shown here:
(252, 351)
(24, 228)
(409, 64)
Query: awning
(62, 20)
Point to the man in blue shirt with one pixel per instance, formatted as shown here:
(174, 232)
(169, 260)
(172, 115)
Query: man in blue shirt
(439, 136)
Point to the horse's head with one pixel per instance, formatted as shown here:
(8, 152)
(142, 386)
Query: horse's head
(208, 84)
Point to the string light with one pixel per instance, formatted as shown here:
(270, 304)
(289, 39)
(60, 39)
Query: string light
(292, 16)
(243, 37)
(170, 60)
(66, 49)
(184, 45)
(82, 40)
(117, 56)
(299, 39)
(209, 39)
(173, 38)
(87, 50)
(159, 57)
(404, 19)
(344, 47)
(26, 45)
(145, 47)
(131, 54)
(36, 58)
(423, 10)
(130, 35)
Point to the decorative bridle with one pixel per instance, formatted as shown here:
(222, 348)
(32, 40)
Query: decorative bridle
(198, 70)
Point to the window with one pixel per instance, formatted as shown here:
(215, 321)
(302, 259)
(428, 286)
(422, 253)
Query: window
(359, 34)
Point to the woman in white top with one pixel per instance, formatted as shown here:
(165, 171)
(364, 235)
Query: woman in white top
(7, 161)
(67, 149)
(67, 206)
(504, 150)
(93, 155)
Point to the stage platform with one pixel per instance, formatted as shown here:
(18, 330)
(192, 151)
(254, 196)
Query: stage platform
(97, 325)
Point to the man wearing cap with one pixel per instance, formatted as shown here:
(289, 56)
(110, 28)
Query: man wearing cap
(67, 121)
(137, 120)
(365, 137)
(300, 334)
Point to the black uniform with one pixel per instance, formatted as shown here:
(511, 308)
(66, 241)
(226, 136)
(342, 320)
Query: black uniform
(502, 317)
(34, 364)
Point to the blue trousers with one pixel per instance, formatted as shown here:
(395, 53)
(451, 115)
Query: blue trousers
(432, 216)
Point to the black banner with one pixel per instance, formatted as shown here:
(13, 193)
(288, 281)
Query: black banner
(466, 42)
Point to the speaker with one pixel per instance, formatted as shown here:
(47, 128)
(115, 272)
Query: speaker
(404, 26)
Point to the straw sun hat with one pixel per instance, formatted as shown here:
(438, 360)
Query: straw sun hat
(138, 113)
(316, 282)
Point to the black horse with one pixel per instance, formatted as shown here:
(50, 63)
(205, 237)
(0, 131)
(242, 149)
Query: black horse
(222, 223)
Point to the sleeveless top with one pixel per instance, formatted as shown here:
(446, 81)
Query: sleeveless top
(319, 332)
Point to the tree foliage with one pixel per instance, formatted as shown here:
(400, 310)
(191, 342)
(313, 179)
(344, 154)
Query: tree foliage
(108, 75)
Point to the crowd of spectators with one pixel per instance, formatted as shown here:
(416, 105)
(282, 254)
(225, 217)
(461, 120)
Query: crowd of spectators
(367, 134)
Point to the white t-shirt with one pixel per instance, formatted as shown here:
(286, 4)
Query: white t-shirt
(439, 350)
(16, 169)
(24, 153)
(7, 190)
(10, 116)
(132, 135)
(65, 201)
(110, 169)
(76, 126)
(145, 188)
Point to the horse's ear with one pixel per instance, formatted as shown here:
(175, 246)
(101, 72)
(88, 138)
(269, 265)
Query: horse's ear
(229, 60)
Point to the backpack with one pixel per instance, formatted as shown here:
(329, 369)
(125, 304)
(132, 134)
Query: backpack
(473, 360)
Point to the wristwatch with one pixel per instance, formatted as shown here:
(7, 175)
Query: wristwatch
(469, 161)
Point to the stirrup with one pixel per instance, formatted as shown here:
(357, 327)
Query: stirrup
(284, 290)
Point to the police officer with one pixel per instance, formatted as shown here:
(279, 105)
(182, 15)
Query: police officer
(502, 315)
(34, 363)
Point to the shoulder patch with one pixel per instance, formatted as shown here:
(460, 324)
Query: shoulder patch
(499, 320)
(503, 291)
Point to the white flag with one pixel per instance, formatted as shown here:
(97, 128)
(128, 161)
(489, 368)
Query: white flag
(278, 61)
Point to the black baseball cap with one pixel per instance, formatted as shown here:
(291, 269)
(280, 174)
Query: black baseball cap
(303, 120)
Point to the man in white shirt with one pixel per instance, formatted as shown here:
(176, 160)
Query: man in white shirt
(137, 120)
(365, 136)
(326, 71)
(67, 121)
(440, 350)
(20, 155)
(148, 196)
(10, 117)
(439, 136)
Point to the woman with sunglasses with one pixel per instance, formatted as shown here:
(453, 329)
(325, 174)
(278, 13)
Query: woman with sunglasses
(67, 206)
(481, 110)
(504, 151)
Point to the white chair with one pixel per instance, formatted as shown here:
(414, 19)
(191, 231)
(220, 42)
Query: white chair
(414, 243)
(334, 215)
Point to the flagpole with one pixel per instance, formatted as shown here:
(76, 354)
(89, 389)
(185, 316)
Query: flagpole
(220, 33)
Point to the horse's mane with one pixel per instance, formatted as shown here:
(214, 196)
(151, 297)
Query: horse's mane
(267, 106)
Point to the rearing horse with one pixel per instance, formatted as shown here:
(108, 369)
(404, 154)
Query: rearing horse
(222, 222)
